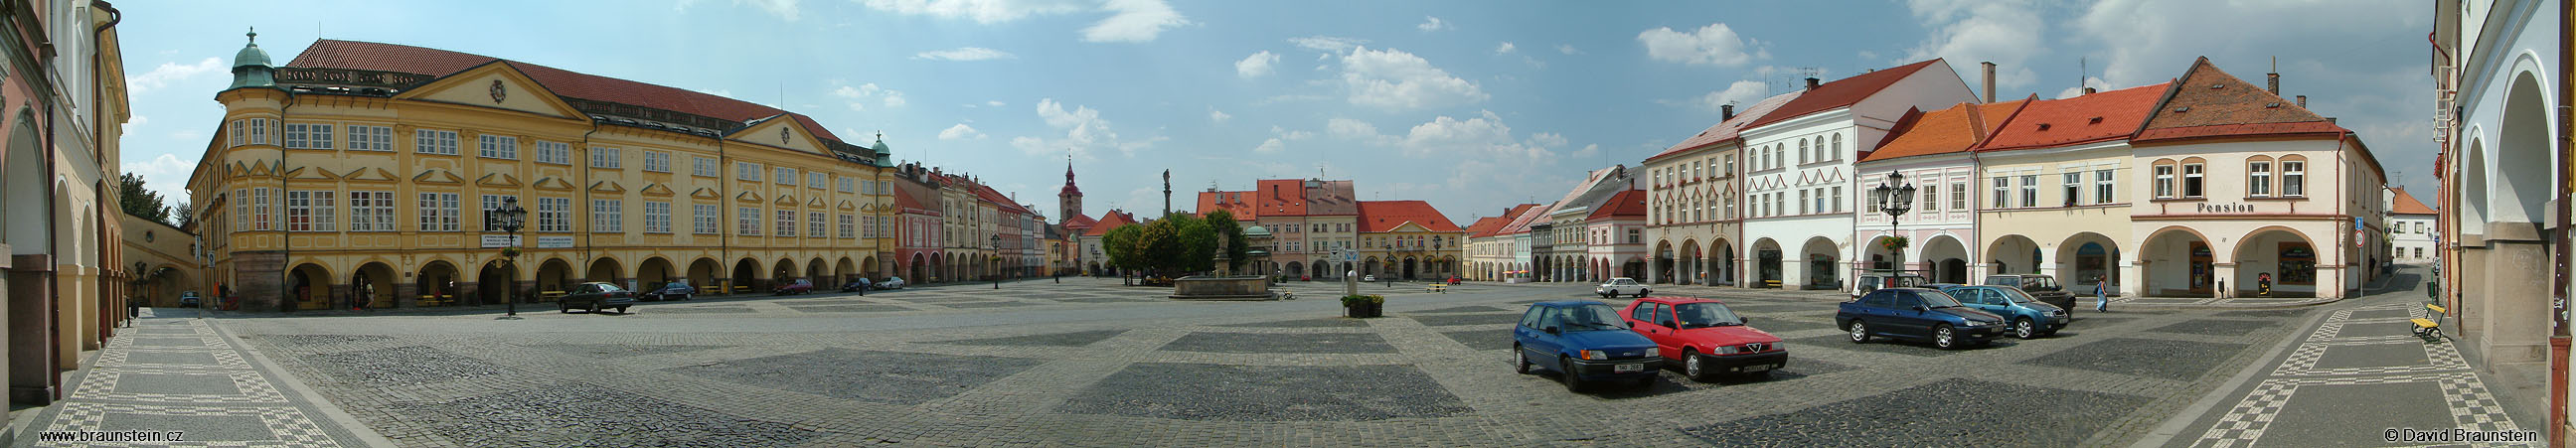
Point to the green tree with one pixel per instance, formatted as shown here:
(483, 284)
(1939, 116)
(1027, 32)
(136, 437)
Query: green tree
(184, 214)
(1120, 244)
(140, 202)
(1158, 246)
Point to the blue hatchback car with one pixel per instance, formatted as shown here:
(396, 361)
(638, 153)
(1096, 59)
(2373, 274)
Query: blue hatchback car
(2025, 317)
(1583, 341)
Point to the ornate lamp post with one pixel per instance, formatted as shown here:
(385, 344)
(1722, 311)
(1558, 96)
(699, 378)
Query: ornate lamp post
(997, 260)
(509, 218)
(1894, 197)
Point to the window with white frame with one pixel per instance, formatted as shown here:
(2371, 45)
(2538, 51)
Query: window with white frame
(554, 214)
(2191, 173)
(657, 161)
(746, 221)
(607, 215)
(2294, 178)
(848, 184)
(1873, 208)
(2105, 188)
(431, 141)
(371, 211)
(1802, 202)
(1837, 152)
(702, 219)
(814, 225)
(606, 157)
(558, 153)
(815, 180)
(2164, 180)
(371, 138)
(657, 217)
(299, 210)
(2258, 178)
(785, 175)
(438, 212)
(849, 226)
(2003, 192)
(1838, 199)
(2074, 186)
(1930, 199)
(259, 206)
(308, 136)
(491, 202)
(2029, 190)
(1959, 196)
(746, 171)
(702, 166)
(1803, 151)
(787, 221)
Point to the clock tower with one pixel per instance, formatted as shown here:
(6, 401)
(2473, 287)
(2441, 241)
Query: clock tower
(1069, 200)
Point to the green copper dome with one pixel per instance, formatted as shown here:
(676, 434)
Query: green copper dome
(251, 67)
(1256, 231)
(885, 156)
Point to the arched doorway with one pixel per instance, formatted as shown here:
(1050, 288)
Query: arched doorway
(2087, 256)
(1665, 264)
(916, 269)
(606, 270)
(1722, 271)
(1370, 267)
(783, 274)
(1693, 267)
(310, 287)
(1769, 270)
(2013, 254)
(1633, 267)
(652, 274)
(1877, 258)
(1823, 264)
(1947, 258)
(846, 271)
(814, 272)
(746, 277)
(702, 273)
(554, 275)
(437, 283)
(1295, 268)
(373, 284)
(938, 268)
(1408, 268)
(2283, 254)
(2177, 262)
(494, 282)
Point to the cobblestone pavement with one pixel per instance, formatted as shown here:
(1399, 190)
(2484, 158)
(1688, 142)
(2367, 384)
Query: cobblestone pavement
(2356, 355)
(1090, 363)
(178, 381)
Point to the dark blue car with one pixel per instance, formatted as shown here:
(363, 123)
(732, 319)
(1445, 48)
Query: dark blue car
(1583, 341)
(2025, 317)
(1917, 313)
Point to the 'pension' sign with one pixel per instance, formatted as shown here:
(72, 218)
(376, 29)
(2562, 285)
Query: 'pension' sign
(2205, 207)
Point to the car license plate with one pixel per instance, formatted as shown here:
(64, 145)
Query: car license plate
(1757, 368)
(1627, 368)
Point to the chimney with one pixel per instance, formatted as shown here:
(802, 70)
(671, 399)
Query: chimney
(2330, 120)
(1989, 69)
(2272, 81)
(1726, 112)
(2089, 91)
(1812, 82)
(2303, 101)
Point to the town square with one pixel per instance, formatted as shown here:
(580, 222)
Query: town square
(824, 223)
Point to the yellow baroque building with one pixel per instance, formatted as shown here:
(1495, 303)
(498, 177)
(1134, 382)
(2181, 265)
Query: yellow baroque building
(359, 174)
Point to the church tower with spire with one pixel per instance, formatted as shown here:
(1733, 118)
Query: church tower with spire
(1069, 200)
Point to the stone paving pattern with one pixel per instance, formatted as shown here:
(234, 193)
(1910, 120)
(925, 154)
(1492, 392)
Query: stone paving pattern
(1091, 363)
(181, 377)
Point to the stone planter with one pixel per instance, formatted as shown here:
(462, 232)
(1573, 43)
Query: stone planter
(1222, 288)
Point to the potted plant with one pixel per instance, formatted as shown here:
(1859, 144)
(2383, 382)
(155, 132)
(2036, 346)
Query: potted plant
(1363, 306)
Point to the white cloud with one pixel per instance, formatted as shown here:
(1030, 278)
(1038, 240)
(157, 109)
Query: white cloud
(1270, 146)
(1505, 48)
(1290, 135)
(2072, 92)
(1965, 32)
(166, 174)
(1567, 49)
(965, 54)
(1588, 151)
(1430, 24)
(785, 9)
(1715, 44)
(1394, 79)
(1327, 44)
(1548, 139)
(981, 11)
(1362, 131)
(858, 97)
(994, 103)
(1255, 65)
(1218, 115)
(1085, 133)
(717, 92)
(136, 122)
(1486, 164)
(1135, 21)
(961, 132)
(171, 72)
(1741, 93)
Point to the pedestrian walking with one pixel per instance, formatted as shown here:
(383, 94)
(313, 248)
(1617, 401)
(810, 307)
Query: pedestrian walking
(2101, 294)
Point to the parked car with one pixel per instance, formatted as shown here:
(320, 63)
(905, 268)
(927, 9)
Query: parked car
(798, 286)
(596, 295)
(1872, 282)
(854, 285)
(1705, 337)
(1621, 286)
(1583, 341)
(1917, 313)
(2025, 317)
(676, 290)
(892, 283)
(189, 299)
(1368, 278)
(2040, 286)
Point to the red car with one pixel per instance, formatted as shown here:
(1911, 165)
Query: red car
(800, 286)
(1705, 336)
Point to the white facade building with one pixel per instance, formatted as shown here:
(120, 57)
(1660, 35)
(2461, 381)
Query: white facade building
(1798, 183)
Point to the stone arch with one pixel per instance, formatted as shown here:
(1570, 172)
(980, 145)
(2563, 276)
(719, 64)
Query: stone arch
(1721, 267)
(2178, 261)
(653, 272)
(784, 272)
(1877, 259)
(814, 272)
(919, 260)
(746, 276)
(22, 173)
(846, 271)
(309, 286)
(2287, 255)
(1946, 258)
(2085, 256)
(437, 280)
(554, 274)
(2014, 254)
(606, 270)
(496, 280)
(2525, 159)
(703, 273)
(1770, 264)
(1823, 263)
(1688, 270)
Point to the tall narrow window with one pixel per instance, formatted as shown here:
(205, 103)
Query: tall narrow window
(814, 225)
(787, 221)
(2294, 178)
(2104, 188)
(323, 212)
(1836, 153)
(2074, 185)
(2164, 181)
(746, 171)
(554, 214)
(1874, 208)
(2029, 190)
(260, 209)
(1803, 151)
(558, 153)
(491, 201)
(299, 209)
(371, 138)
(746, 221)
(657, 161)
(849, 227)
(1931, 198)
(438, 212)
(1838, 199)
(2191, 180)
(702, 166)
(1959, 196)
(496, 147)
(702, 219)
(371, 211)
(1802, 202)
(657, 217)
(2003, 192)
(606, 157)
(427, 141)
(2258, 179)
(607, 215)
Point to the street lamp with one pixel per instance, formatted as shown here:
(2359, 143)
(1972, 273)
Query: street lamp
(509, 218)
(997, 260)
(1894, 197)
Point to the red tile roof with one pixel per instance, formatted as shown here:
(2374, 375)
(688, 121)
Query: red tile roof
(1527, 217)
(998, 200)
(2209, 103)
(1284, 197)
(1729, 129)
(2407, 205)
(343, 54)
(1625, 204)
(1235, 202)
(1110, 220)
(1078, 222)
(2101, 116)
(1945, 131)
(1480, 230)
(1841, 93)
(1381, 216)
(904, 200)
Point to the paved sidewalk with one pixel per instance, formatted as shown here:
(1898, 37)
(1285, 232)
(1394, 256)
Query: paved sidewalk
(2356, 378)
(177, 379)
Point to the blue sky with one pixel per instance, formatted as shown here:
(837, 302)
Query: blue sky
(1472, 105)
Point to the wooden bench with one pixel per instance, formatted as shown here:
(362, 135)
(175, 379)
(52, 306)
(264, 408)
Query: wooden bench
(1442, 288)
(2431, 329)
(1770, 283)
(436, 300)
(550, 296)
(739, 289)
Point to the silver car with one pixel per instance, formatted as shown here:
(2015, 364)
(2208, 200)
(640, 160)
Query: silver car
(1622, 286)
